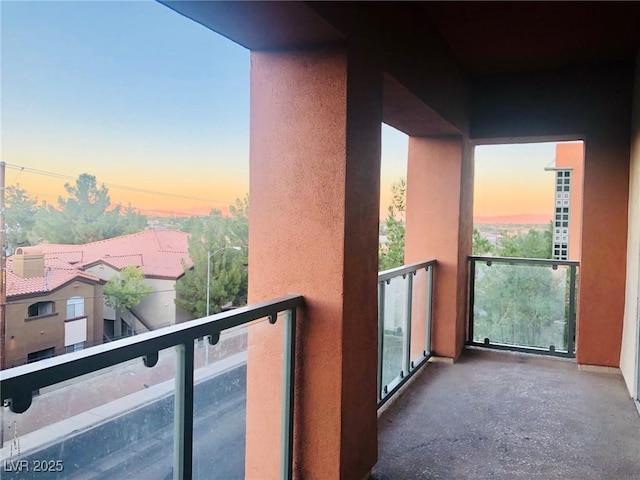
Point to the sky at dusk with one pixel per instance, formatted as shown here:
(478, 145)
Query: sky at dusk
(511, 179)
(140, 96)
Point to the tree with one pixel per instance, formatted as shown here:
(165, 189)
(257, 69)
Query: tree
(481, 245)
(521, 304)
(125, 290)
(391, 253)
(214, 236)
(239, 235)
(84, 217)
(533, 244)
(19, 216)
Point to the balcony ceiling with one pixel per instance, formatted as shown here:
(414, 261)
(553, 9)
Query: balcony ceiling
(432, 52)
(500, 37)
(482, 37)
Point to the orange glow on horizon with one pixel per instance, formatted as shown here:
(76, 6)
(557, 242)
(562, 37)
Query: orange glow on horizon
(197, 197)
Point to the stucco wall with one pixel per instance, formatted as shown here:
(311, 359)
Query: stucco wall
(630, 334)
(157, 309)
(315, 185)
(439, 222)
(25, 336)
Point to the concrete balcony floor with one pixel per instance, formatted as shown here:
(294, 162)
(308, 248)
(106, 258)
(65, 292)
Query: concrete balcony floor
(496, 415)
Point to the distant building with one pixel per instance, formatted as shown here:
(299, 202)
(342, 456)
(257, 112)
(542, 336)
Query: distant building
(567, 219)
(52, 307)
(160, 254)
(55, 293)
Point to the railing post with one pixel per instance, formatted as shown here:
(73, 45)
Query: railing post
(407, 328)
(381, 293)
(571, 322)
(427, 342)
(183, 413)
(288, 384)
(472, 293)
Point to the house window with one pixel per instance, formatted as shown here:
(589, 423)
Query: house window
(40, 308)
(41, 355)
(75, 307)
(76, 347)
(108, 330)
(127, 331)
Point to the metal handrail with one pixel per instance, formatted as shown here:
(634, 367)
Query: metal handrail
(17, 381)
(403, 270)
(528, 261)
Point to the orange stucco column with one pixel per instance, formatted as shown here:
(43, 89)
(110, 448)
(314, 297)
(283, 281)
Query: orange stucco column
(314, 188)
(439, 225)
(604, 249)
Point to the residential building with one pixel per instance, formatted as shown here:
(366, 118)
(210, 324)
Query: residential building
(160, 254)
(567, 217)
(52, 307)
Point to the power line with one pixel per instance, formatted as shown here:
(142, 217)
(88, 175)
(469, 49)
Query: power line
(113, 185)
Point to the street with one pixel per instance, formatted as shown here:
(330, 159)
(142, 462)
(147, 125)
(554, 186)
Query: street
(139, 444)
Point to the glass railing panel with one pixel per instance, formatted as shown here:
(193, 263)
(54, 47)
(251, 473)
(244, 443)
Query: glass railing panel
(522, 305)
(395, 317)
(220, 406)
(112, 423)
(420, 344)
(404, 324)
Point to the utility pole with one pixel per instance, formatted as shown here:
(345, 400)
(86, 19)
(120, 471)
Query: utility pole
(3, 268)
(3, 290)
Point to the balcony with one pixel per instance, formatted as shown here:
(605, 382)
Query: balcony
(173, 402)
(506, 408)
(324, 76)
(144, 406)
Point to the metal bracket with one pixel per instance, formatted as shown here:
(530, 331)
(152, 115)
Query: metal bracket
(20, 403)
(214, 338)
(273, 319)
(150, 359)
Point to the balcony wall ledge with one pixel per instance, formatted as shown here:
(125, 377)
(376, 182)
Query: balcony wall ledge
(583, 367)
(448, 360)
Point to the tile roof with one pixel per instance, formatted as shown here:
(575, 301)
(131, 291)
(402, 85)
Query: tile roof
(56, 273)
(159, 253)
